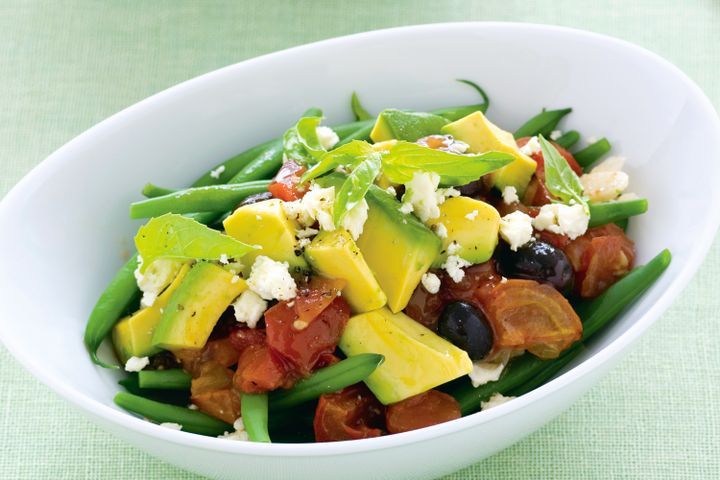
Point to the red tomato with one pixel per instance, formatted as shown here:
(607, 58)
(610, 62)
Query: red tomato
(286, 186)
(600, 257)
(221, 351)
(316, 296)
(429, 408)
(212, 392)
(527, 315)
(243, 337)
(260, 370)
(349, 414)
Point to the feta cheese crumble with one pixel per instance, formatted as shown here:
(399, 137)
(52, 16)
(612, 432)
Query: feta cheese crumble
(606, 181)
(495, 400)
(354, 220)
(555, 134)
(327, 137)
(158, 275)
(135, 364)
(316, 204)
(224, 259)
(249, 308)
(516, 229)
(406, 208)
(509, 195)
(431, 282)
(440, 230)
(391, 190)
(420, 194)
(484, 372)
(472, 215)
(217, 172)
(570, 220)
(454, 267)
(271, 279)
(531, 147)
(171, 425)
(239, 434)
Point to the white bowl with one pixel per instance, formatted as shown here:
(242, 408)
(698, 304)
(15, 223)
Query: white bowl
(65, 227)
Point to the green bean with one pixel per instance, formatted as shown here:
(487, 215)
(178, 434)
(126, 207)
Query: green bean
(568, 139)
(362, 134)
(548, 372)
(346, 129)
(173, 379)
(213, 198)
(595, 314)
(623, 223)
(254, 410)
(607, 212)
(113, 302)
(456, 113)
(327, 380)
(358, 110)
(151, 191)
(542, 124)
(191, 420)
(588, 155)
(222, 172)
(131, 383)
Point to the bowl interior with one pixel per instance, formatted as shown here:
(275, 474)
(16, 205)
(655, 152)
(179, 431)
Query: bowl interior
(66, 228)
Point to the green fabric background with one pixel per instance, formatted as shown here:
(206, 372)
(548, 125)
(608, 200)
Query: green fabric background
(66, 65)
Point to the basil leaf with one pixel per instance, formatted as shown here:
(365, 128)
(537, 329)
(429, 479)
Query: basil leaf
(358, 109)
(454, 169)
(177, 237)
(301, 143)
(347, 155)
(355, 187)
(560, 179)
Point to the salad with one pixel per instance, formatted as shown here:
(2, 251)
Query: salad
(372, 278)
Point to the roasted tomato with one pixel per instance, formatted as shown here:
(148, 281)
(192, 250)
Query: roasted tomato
(261, 370)
(307, 328)
(536, 192)
(212, 392)
(424, 410)
(600, 258)
(349, 414)
(526, 315)
(243, 337)
(286, 184)
(221, 351)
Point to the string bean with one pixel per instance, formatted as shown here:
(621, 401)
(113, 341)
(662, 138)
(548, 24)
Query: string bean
(173, 379)
(254, 411)
(590, 154)
(568, 139)
(607, 212)
(542, 124)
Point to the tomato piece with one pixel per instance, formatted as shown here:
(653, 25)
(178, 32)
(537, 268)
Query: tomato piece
(527, 315)
(600, 257)
(349, 414)
(221, 351)
(429, 408)
(212, 392)
(425, 307)
(260, 370)
(286, 184)
(243, 337)
(303, 342)
(316, 297)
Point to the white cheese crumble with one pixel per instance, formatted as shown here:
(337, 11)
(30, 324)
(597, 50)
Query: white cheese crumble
(516, 229)
(484, 372)
(440, 230)
(431, 282)
(454, 267)
(217, 172)
(569, 220)
(495, 400)
(443, 194)
(135, 364)
(304, 242)
(453, 248)
(606, 181)
(249, 308)
(555, 134)
(171, 425)
(157, 276)
(271, 279)
(316, 204)
(224, 259)
(306, 232)
(472, 215)
(509, 195)
(406, 208)
(239, 434)
(421, 194)
(192, 406)
(457, 147)
(355, 218)
(531, 147)
(235, 279)
(391, 190)
(327, 137)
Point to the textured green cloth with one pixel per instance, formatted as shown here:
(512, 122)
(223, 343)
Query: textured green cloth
(64, 66)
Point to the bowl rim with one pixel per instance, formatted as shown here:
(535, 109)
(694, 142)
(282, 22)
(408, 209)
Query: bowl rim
(125, 420)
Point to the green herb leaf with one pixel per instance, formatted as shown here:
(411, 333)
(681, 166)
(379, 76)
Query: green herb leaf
(348, 155)
(404, 158)
(560, 179)
(301, 143)
(355, 187)
(358, 109)
(410, 126)
(177, 237)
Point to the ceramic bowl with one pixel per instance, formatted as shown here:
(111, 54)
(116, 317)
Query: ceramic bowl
(65, 227)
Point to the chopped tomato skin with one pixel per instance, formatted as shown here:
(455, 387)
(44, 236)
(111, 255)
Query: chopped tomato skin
(243, 337)
(259, 370)
(212, 392)
(221, 351)
(429, 408)
(349, 414)
(286, 185)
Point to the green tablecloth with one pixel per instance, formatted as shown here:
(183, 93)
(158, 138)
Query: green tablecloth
(66, 65)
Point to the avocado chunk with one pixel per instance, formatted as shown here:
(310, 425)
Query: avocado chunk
(473, 225)
(483, 136)
(132, 336)
(416, 359)
(411, 126)
(266, 224)
(335, 255)
(195, 306)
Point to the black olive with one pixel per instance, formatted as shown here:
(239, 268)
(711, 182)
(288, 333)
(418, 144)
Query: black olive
(466, 327)
(537, 261)
(258, 197)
